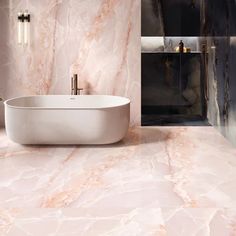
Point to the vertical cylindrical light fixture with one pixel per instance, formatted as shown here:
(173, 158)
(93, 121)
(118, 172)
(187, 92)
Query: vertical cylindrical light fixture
(20, 28)
(23, 33)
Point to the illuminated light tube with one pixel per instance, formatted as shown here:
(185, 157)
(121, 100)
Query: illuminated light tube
(26, 27)
(20, 28)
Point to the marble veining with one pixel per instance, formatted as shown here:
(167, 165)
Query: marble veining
(156, 181)
(97, 39)
(222, 84)
(140, 221)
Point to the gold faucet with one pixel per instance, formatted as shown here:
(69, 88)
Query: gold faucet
(74, 85)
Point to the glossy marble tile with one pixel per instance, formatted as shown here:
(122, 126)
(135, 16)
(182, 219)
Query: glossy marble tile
(123, 221)
(156, 181)
(153, 167)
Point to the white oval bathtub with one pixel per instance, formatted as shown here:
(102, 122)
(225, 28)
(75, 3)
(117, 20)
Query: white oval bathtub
(65, 119)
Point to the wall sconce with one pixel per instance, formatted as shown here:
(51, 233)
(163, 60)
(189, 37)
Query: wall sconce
(23, 27)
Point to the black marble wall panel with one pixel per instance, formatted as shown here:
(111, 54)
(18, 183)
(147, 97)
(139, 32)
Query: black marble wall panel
(222, 85)
(232, 74)
(188, 18)
(181, 17)
(221, 23)
(220, 18)
(170, 18)
(216, 20)
(152, 22)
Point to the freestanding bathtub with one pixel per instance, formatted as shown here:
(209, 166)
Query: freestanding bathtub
(65, 119)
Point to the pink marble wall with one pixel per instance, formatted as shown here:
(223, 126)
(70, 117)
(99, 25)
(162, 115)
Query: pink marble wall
(98, 39)
(4, 53)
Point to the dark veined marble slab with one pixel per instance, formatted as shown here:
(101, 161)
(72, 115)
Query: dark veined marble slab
(188, 18)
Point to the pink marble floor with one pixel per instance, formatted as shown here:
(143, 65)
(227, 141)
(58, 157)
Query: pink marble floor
(158, 181)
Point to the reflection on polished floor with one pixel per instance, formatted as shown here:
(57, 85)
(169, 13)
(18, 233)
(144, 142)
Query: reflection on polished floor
(158, 181)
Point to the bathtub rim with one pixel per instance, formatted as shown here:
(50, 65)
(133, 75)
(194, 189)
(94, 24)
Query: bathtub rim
(126, 102)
